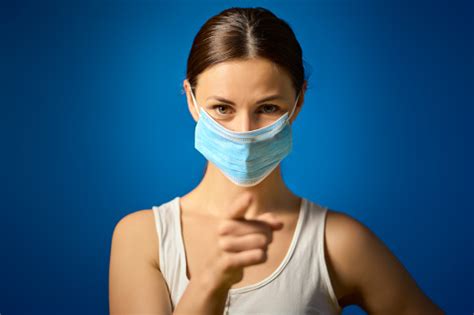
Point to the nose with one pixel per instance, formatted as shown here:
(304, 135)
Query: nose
(245, 122)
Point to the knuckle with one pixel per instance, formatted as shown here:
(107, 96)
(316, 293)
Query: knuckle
(223, 244)
(270, 237)
(268, 230)
(224, 262)
(261, 255)
(223, 228)
(262, 240)
(228, 262)
(257, 254)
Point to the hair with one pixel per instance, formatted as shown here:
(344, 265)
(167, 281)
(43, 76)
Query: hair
(244, 33)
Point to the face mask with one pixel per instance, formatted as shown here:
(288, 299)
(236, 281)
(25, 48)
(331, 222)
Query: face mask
(245, 158)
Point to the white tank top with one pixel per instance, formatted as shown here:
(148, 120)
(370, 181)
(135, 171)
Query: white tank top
(300, 285)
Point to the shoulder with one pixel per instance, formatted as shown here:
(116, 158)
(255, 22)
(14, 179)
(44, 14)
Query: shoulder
(135, 281)
(136, 231)
(345, 239)
(135, 221)
(344, 231)
(362, 267)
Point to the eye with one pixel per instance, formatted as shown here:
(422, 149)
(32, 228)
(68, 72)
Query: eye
(221, 109)
(270, 108)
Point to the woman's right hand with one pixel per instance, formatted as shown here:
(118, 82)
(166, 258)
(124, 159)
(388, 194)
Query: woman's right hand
(241, 242)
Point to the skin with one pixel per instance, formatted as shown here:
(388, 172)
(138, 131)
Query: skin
(362, 269)
(244, 83)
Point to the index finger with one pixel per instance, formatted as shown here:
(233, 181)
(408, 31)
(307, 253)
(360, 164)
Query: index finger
(239, 207)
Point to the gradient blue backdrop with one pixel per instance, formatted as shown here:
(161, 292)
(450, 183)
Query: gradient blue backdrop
(94, 126)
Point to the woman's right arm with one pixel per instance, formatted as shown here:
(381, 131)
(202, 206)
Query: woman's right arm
(241, 243)
(137, 286)
(202, 297)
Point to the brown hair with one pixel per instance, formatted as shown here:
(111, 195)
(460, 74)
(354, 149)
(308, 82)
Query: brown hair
(246, 33)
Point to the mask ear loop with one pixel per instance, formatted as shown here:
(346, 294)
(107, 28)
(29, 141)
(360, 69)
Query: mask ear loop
(294, 107)
(195, 102)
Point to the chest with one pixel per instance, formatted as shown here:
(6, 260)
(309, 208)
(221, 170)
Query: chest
(200, 243)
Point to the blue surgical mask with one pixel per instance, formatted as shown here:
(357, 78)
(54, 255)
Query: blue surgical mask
(245, 158)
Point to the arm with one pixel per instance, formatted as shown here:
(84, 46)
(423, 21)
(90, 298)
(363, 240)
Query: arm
(202, 297)
(136, 285)
(371, 274)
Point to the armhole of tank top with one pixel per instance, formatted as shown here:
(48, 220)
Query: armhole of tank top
(159, 234)
(322, 259)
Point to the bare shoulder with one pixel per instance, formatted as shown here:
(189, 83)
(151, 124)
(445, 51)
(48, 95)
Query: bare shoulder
(366, 273)
(136, 285)
(341, 234)
(137, 230)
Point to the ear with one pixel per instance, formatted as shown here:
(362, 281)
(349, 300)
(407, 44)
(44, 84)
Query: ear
(299, 105)
(189, 99)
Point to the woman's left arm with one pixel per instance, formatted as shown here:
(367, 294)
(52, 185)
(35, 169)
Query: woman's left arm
(379, 283)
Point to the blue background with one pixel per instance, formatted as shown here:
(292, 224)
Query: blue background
(94, 126)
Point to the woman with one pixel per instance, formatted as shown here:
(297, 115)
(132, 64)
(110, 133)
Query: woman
(241, 242)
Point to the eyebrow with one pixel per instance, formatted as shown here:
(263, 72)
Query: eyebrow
(268, 98)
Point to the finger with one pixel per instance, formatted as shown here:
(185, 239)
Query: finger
(270, 219)
(237, 227)
(245, 242)
(245, 258)
(239, 206)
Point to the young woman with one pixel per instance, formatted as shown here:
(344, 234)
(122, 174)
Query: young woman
(241, 242)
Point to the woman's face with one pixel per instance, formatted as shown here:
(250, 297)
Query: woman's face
(244, 95)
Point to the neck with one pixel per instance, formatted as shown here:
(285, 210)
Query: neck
(216, 193)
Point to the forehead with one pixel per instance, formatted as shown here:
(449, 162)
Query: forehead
(245, 79)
